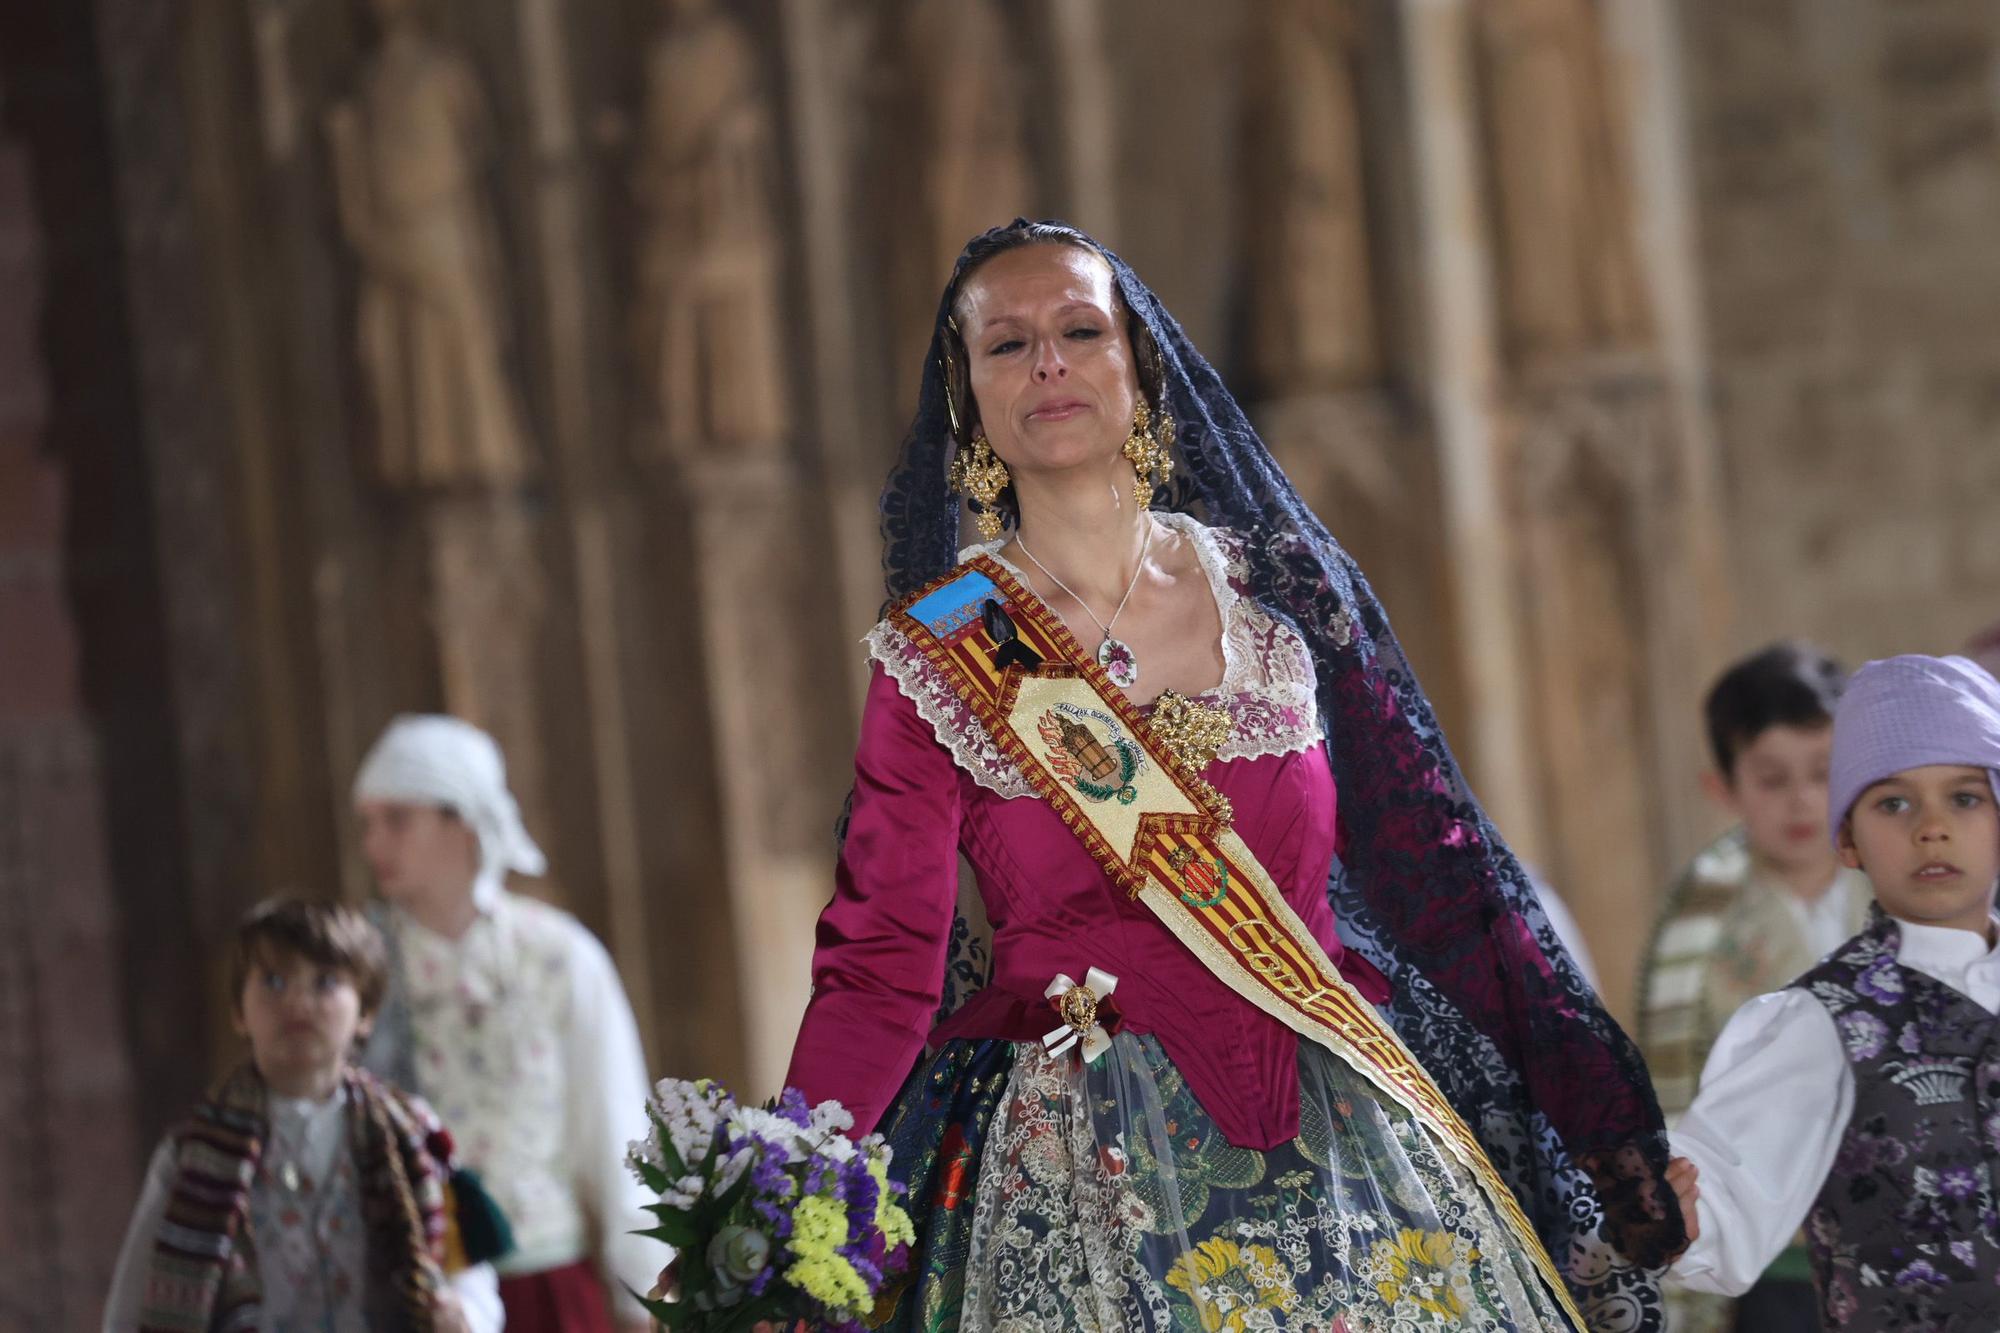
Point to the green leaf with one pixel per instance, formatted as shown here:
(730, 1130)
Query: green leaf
(656, 1179)
(727, 1203)
(679, 1231)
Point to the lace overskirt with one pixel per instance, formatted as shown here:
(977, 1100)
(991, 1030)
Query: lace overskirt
(1054, 1196)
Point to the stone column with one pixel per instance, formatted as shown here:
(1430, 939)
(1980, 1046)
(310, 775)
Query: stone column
(825, 52)
(1606, 484)
(774, 673)
(591, 525)
(1458, 375)
(62, 1036)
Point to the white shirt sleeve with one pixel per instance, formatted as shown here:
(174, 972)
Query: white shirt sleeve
(125, 1304)
(1773, 1106)
(478, 1290)
(607, 1091)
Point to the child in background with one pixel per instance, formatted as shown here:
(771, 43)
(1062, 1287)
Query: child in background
(1753, 910)
(303, 1193)
(508, 1015)
(1864, 1101)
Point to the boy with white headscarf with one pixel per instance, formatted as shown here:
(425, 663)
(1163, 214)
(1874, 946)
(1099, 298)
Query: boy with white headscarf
(509, 1016)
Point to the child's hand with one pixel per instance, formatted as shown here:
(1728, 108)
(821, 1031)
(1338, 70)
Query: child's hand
(1685, 1177)
(448, 1315)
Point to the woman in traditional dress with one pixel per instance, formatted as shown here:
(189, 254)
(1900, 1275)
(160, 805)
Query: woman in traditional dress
(1160, 714)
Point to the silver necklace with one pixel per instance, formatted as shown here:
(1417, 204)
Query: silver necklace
(1114, 655)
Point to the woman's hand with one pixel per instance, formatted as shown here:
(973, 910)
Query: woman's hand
(447, 1315)
(668, 1288)
(1685, 1177)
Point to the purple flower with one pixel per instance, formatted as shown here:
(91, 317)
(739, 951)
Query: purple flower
(854, 1254)
(1958, 1183)
(779, 1215)
(1881, 980)
(792, 1106)
(1910, 1041)
(1919, 1273)
(768, 1177)
(1864, 1034)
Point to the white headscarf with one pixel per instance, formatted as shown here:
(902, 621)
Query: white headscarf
(432, 759)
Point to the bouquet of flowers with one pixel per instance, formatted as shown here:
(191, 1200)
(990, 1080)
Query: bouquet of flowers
(776, 1213)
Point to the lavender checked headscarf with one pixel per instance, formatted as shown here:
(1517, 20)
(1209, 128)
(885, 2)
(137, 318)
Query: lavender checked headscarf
(1908, 712)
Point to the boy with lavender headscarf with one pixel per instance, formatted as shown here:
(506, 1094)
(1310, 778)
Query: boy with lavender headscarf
(1865, 1099)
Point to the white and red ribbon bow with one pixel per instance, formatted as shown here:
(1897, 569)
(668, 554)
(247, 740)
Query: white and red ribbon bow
(1078, 1006)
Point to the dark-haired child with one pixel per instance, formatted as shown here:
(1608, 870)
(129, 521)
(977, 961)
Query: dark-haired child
(1864, 1100)
(303, 1193)
(1753, 910)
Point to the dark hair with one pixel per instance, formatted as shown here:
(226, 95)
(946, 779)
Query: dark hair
(332, 935)
(1789, 684)
(996, 241)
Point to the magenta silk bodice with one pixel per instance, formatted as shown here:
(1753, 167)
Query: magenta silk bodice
(878, 969)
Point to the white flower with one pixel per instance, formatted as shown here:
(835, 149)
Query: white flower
(690, 1113)
(831, 1116)
(752, 1121)
(684, 1193)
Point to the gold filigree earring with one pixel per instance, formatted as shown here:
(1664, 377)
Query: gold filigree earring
(1149, 449)
(978, 473)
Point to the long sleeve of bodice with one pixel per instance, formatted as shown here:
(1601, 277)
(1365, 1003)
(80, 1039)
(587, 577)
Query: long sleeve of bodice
(878, 966)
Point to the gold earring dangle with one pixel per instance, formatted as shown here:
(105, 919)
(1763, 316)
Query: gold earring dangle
(978, 473)
(1149, 449)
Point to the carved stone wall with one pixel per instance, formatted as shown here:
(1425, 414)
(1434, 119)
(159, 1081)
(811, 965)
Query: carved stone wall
(540, 359)
(1848, 162)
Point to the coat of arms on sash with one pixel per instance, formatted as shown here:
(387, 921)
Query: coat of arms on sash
(1204, 879)
(1098, 761)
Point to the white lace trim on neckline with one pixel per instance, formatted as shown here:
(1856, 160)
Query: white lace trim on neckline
(1268, 684)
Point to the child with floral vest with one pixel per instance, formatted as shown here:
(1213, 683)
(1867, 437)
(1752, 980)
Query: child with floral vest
(303, 1193)
(1864, 1100)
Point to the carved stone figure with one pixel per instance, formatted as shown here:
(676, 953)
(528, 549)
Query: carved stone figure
(1313, 318)
(1570, 273)
(956, 117)
(409, 153)
(712, 261)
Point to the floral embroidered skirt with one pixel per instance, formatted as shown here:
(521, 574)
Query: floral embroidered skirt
(1053, 1196)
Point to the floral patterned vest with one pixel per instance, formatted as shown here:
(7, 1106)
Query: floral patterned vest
(1904, 1234)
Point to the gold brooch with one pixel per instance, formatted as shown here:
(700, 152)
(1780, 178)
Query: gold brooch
(1193, 734)
(1078, 1007)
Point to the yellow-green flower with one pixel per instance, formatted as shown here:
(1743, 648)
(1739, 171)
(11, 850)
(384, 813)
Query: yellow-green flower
(819, 1227)
(897, 1229)
(830, 1280)
(1229, 1282)
(878, 1171)
(1417, 1266)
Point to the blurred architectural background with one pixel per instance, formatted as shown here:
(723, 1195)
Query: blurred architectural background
(538, 360)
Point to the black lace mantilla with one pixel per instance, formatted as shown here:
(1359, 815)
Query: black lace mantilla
(1485, 994)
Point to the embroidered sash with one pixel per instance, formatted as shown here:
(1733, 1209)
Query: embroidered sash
(1163, 834)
